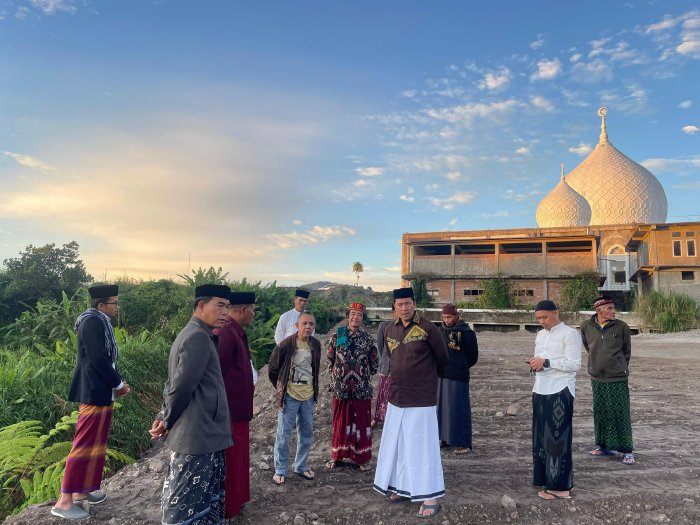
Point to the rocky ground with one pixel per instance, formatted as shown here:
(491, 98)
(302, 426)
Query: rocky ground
(491, 485)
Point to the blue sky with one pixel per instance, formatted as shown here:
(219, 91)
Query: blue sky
(286, 140)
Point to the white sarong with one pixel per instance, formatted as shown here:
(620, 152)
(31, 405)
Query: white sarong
(409, 460)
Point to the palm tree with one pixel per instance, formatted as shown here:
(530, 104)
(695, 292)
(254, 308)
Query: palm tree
(358, 269)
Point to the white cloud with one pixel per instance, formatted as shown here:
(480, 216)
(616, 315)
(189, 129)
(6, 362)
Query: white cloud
(542, 103)
(495, 80)
(690, 130)
(49, 7)
(315, 235)
(296, 222)
(685, 104)
(407, 198)
(369, 172)
(462, 197)
(690, 46)
(466, 113)
(21, 13)
(575, 57)
(523, 150)
(665, 24)
(682, 166)
(582, 149)
(547, 70)
(537, 43)
(30, 162)
(520, 197)
(453, 222)
(409, 93)
(361, 183)
(590, 72)
(454, 176)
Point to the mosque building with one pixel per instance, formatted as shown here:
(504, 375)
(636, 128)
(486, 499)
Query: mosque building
(607, 216)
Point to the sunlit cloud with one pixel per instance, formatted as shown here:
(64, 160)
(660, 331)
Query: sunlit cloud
(466, 113)
(523, 150)
(685, 104)
(682, 166)
(519, 196)
(582, 149)
(536, 44)
(315, 235)
(30, 162)
(542, 103)
(495, 80)
(453, 176)
(462, 197)
(547, 70)
(50, 7)
(407, 198)
(691, 130)
(369, 172)
(362, 183)
(500, 214)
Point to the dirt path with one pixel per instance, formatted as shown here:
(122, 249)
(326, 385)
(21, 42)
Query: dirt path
(663, 487)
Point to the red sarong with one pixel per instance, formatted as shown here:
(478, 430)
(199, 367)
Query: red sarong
(84, 465)
(352, 430)
(382, 398)
(238, 469)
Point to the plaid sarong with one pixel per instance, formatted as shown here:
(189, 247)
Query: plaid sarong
(193, 492)
(84, 465)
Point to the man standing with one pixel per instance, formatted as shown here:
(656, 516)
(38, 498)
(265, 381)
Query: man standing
(239, 379)
(287, 324)
(454, 408)
(293, 370)
(409, 464)
(96, 382)
(195, 419)
(556, 360)
(607, 341)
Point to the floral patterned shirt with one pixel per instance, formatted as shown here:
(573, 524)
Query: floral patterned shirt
(352, 360)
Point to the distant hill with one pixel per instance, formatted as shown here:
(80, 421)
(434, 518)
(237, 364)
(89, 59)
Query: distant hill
(346, 293)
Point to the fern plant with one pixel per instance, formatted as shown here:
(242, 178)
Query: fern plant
(32, 463)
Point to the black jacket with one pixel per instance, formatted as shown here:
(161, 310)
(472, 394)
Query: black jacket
(94, 376)
(462, 349)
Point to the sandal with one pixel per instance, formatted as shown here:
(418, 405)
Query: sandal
(601, 452)
(278, 479)
(397, 499)
(550, 495)
(628, 459)
(365, 467)
(332, 463)
(308, 475)
(462, 450)
(425, 506)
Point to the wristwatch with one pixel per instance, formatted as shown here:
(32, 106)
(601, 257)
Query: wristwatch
(546, 363)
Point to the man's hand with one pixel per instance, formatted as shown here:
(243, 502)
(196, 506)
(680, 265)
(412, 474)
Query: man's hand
(158, 430)
(123, 390)
(536, 363)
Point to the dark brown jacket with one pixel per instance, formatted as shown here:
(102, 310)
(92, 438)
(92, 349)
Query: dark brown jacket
(280, 365)
(418, 356)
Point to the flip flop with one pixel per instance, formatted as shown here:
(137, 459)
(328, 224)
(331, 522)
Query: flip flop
(462, 450)
(601, 452)
(307, 475)
(278, 483)
(365, 467)
(436, 507)
(544, 493)
(628, 459)
(400, 499)
(332, 463)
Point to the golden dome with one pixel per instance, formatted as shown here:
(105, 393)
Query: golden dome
(618, 190)
(563, 206)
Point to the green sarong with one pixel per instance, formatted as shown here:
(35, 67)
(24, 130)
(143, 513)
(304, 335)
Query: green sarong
(611, 416)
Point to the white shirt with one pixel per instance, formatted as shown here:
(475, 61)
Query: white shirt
(287, 325)
(562, 346)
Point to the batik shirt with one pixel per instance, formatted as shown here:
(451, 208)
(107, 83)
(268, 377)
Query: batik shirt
(352, 361)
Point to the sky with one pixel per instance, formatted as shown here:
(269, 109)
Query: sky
(285, 140)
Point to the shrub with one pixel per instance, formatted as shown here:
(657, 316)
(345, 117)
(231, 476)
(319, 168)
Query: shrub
(580, 293)
(497, 294)
(419, 283)
(674, 312)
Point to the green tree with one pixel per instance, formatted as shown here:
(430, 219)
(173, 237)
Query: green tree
(358, 269)
(41, 273)
(419, 283)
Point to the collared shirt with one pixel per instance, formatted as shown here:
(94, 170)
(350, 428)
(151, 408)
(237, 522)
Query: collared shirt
(287, 325)
(562, 346)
